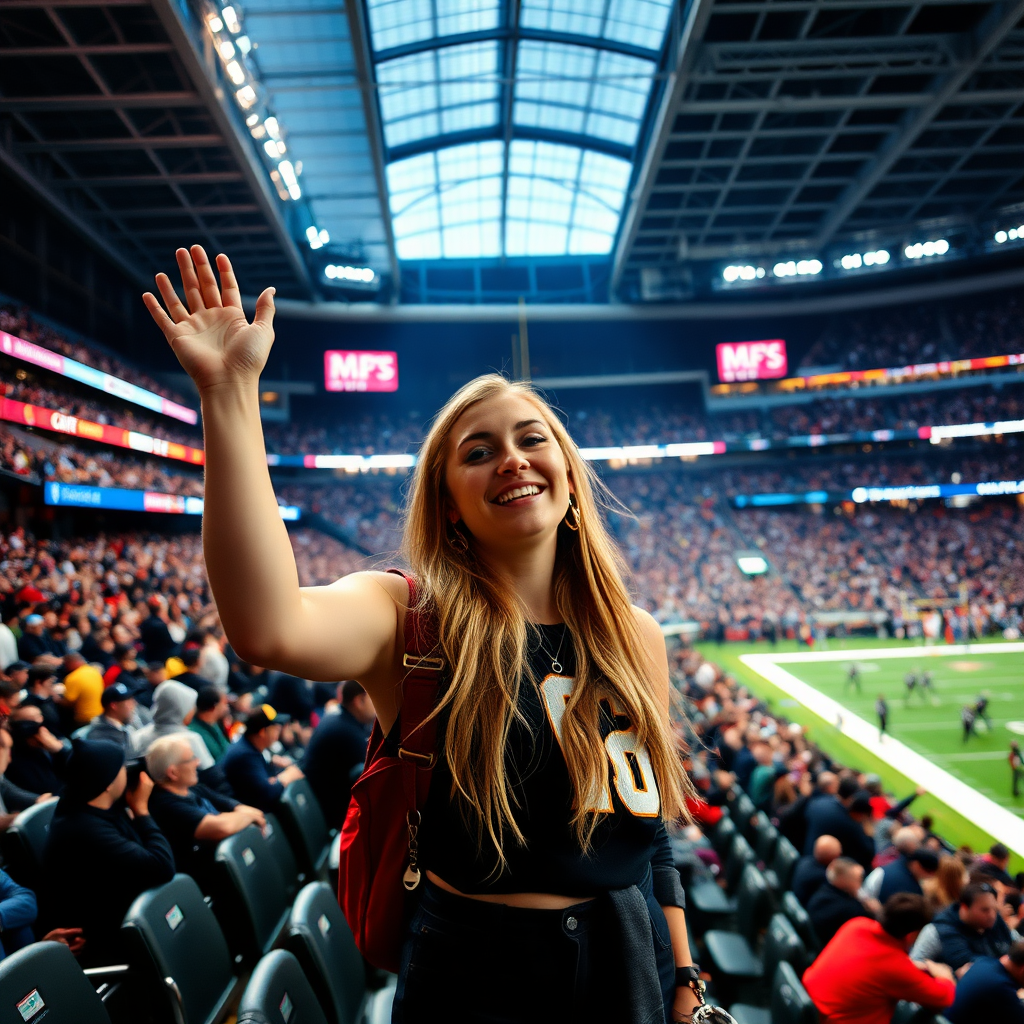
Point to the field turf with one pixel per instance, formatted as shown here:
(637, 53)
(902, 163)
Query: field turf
(927, 722)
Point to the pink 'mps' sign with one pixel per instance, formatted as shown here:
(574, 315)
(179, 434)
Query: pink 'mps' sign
(360, 371)
(751, 360)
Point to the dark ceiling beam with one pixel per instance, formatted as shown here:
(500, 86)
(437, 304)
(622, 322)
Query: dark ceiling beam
(83, 50)
(695, 15)
(990, 32)
(117, 101)
(225, 118)
(367, 83)
(125, 143)
(234, 230)
(141, 180)
(801, 104)
(514, 29)
(225, 209)
(508, 95)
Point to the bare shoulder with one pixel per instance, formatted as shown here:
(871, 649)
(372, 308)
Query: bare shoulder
(649, 629)
(374, 585)
(654, 651)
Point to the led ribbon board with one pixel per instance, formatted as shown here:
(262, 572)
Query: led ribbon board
(860, 495)
(28, 352)
(751, 360)
(83, 496)
(61, 423)
(360, 371)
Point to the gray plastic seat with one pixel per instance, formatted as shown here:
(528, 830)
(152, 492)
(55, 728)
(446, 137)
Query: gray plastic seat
(784, 862)
(743, 811)
(176, 946)
(254, 910)
(44, 978)
(732, 953)
(304, 824)
(790, 1002)
(321, 940)
(911, 1013)
(279, 993)
(801, 922)
(24, 843)
(284, 856)
(766, 835)
(740, 855)
(722, 834)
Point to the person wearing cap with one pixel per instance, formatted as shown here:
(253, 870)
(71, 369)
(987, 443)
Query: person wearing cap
(211, 709)
(39, 759)
(83, 687)
(17, 674)
(847, 816)
(98, 859)
(836, 900)
(253, 776)
(34, 641)
(41, 683)
(114, 725)
(193, 817)
(906, 873)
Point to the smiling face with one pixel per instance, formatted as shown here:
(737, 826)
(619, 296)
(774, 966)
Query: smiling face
(506, 475)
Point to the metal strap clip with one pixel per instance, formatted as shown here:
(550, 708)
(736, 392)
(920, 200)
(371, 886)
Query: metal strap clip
(425, 663)
(424, 760)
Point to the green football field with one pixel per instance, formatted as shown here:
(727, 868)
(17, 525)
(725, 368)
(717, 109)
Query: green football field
(927, 722)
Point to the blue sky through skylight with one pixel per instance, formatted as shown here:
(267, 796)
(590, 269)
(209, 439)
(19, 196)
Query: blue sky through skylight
(636, 22)
(398, 22)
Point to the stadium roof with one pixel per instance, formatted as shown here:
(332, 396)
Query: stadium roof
(649, 140)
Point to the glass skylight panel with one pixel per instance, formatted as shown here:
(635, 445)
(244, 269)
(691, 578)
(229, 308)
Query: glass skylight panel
(636, 22)
(398, 22)
(581, 89)
(447, 203)
(438, 92)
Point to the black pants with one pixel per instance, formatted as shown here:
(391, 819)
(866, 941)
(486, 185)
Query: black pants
(469, 962)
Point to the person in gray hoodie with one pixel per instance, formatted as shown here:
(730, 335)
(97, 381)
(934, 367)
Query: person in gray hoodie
(174, 706)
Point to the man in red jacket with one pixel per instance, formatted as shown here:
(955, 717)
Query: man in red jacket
(862, 974)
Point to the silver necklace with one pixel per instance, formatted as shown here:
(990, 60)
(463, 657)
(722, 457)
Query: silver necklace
(556, 665)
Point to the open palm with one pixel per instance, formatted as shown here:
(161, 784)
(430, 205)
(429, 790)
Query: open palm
(211, 337)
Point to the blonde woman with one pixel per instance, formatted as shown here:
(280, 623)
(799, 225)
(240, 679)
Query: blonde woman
(550, 892)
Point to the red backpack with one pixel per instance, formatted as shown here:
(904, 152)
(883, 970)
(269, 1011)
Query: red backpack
(378, 867)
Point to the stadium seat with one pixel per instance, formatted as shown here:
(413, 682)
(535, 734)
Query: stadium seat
(784, 862)
(283, 854)
(739, 857)
(911, 1013)
(46, 977)
(766, 836)
(790, 1002)
(733, 954)
(707, 899)
(25, 841)
(801, 922)
(743, 811)
(279, 993)
(254, 907)
(176, 947)
(721, 835)
(321, 940)
(306, 828)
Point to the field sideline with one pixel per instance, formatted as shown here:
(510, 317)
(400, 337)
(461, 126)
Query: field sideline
(974, 780)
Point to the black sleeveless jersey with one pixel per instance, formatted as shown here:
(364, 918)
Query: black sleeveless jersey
(551, 861)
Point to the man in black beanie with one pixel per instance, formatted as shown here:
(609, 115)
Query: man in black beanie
(98, 858)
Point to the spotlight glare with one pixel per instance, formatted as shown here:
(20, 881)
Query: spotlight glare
(244, 43)
(231, 20)
(1001, 236)
(216, 25)
(246, 97)
(324, 236)
(314, 238)
(227, 49)
(919, 249)
(235, 72)
(1012, 233)
(252, 120)
(273, 128)
(271, 148)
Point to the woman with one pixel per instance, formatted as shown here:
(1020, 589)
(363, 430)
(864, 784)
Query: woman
(947, 884)
(533, 842)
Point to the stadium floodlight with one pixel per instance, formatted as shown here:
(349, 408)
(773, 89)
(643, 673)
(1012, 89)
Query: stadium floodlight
(227, 49)
(244, 43)
(358, 275)
(231, 20)
(235, 72)
(252, 120)
(742, 273)
(314, 238)
(270, 147)
(215, 24)
(751, 563)
(1011, 235)
(920, 249)
(324, 236)
(856, 260)
(273, 128)
(290, 179)
(797, 268)
(246, 96)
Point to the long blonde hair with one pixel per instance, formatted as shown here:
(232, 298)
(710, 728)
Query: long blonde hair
(483, 636)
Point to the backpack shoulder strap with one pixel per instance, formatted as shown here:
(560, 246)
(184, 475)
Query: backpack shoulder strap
(418, 737)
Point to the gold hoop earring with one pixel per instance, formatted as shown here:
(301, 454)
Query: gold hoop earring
(458, 540)
(572, 517)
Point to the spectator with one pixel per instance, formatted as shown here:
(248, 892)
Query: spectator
(17, 674)
(966, 930)
(844, 816)
(989, 990)
(126, 668)
(994, 864)
(41, 682)
(836, 901)
(114, 725)
(254, 777)
(337, 746)
(860, 976)
(157, 643)
(97, 858)
(13, 799)
(189, 658)
(18, 911)
(34, 641)
(39, 759)
(8, 647)
(793, 820)
(213, 664)
(946, 886)
(809, 873)
(192, 817)
(83, 686)
(211, 709)
(174, 706)
(907, 872)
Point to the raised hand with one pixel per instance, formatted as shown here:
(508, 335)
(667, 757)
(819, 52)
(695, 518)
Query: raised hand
(212, 339)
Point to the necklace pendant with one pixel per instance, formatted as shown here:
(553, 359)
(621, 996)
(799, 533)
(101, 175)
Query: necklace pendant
(556, 667)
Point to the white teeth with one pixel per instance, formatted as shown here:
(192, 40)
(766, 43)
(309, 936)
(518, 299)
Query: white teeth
(519, 492)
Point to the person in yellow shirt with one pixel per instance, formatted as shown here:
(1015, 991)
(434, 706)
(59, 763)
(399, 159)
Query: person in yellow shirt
(83, 687)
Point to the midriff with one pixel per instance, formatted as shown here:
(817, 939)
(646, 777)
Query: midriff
(528, 900)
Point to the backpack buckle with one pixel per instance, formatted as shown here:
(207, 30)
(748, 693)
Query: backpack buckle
(422, 662)
(423, 760)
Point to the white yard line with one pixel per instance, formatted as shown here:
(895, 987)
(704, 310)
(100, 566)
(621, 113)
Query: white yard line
(999, 822)
(881, 653)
